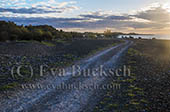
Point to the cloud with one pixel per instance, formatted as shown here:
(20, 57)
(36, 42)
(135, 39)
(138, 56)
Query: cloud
(155, 14)
(23, 7)
(153, 18)
(99, 15)
(114, 17)
(31, 10)
(56, 22)
(78, 23)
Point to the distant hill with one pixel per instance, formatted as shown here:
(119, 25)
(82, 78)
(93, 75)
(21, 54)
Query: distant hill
(137, 34)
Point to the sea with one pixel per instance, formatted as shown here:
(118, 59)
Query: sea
(164, 37)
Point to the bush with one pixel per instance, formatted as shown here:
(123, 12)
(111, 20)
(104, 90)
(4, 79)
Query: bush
(4, 36)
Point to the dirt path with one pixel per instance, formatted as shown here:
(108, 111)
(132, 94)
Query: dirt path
(64, 100)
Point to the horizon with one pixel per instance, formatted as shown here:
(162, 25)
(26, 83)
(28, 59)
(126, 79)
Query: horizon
(143, 17)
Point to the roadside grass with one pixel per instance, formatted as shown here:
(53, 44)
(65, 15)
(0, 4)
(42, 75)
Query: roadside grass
(100, 49)
(25, 41)
(9, 86)
(61, 41)
(49, 44)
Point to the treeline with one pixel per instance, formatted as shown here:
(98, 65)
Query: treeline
(11, 31)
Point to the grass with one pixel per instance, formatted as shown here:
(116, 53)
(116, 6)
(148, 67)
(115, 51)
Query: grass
(61, 41)
(25, 41)
(9, 86)
(49, 44)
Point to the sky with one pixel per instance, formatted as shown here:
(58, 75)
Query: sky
(140, 16)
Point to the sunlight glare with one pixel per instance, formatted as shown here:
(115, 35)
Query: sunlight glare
(167, 6)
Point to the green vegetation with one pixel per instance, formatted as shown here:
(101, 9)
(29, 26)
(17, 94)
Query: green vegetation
(9, 86)
(48, 44)
(9, 31)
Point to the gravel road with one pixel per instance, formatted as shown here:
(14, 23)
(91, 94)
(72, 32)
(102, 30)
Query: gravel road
(64, 100)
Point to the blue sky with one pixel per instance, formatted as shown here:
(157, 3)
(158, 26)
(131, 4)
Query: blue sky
(143, 16)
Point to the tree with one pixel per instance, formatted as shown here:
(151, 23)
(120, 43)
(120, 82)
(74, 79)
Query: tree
(48, 35)
(13, 37)
(38, 35)
(108, 33)
(139, 37)
(131, 37)
(4, 36)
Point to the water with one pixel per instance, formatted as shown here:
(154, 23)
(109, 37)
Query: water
(165, 37)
